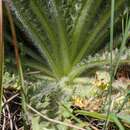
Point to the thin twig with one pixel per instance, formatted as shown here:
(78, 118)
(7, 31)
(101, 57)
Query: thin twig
(4, 120)
(14, 122)
(93, 127)
(111, 62)
(54, 121)
(34, 72)
(9, 115)
(1, 54)
(21, 128)
(7, 101)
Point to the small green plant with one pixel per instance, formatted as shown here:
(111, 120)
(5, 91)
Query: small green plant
(65, 32)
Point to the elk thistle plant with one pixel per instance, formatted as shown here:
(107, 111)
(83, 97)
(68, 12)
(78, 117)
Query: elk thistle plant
(65, 32)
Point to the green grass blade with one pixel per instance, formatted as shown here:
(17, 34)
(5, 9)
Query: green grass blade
(117, 122)
(93, 114)
(112, 117)
(125, 37)
(111, 59)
